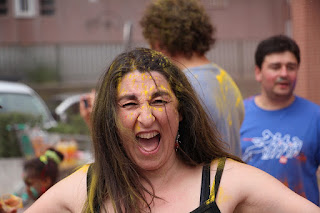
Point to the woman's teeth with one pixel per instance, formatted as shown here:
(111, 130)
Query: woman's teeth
(147, 135)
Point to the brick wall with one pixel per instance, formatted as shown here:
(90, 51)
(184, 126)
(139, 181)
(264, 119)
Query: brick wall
(306, 31)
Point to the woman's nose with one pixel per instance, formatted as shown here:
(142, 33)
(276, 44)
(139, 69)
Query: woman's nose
(145, 116)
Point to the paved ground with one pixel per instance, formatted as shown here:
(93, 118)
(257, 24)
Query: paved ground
(11, 174)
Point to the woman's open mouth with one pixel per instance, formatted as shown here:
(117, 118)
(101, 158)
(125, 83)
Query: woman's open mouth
(149, 142)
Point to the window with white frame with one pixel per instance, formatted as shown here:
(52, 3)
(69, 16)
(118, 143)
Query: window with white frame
(25, 8)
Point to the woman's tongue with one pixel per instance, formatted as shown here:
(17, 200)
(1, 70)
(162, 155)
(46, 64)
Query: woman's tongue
(149, 144)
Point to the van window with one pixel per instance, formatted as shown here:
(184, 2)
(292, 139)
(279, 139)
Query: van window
(23, 103)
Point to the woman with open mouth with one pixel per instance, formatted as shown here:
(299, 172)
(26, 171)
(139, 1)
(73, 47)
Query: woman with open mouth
(157, 151)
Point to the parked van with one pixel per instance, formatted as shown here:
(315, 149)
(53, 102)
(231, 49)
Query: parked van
(18, 97)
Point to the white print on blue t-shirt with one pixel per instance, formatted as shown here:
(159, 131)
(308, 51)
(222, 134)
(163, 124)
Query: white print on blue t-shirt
(273, 146)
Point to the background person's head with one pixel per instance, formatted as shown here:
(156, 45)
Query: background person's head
(276, 44)
(200, 142)
(177, 27)
(277, 63)
(41, 173)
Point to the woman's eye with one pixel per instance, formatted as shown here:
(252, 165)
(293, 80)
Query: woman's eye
(126, 105)
(159, 102)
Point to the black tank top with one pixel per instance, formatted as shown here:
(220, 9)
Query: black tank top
(208, 199)
(207, 205)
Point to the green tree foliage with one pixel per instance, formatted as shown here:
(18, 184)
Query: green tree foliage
(75, 125)
(9, 140)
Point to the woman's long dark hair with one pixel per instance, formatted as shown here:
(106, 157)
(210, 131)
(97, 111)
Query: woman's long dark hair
(115, 176)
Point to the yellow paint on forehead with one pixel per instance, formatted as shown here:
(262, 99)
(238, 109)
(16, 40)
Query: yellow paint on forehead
(146, 91)
(143, 76)
(162, 87)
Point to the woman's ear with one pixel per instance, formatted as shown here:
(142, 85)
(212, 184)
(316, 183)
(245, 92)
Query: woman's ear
(180, 117)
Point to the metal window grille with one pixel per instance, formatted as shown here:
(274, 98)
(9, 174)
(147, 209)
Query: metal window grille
(215, 4)
(3, 7)
(47, 7)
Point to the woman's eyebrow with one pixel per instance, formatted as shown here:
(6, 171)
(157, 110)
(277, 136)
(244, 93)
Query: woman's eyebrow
(127, 97)
(160, 93)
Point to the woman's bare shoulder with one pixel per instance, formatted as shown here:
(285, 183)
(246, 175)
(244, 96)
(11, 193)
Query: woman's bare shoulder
(68, 195)
(245, 188)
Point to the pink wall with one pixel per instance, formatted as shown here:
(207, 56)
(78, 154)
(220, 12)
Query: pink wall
(102, 21)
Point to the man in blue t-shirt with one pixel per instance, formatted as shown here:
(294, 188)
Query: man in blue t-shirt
(280, 133)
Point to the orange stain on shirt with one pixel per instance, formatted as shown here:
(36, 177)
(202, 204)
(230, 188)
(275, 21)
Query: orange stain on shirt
(301, 157)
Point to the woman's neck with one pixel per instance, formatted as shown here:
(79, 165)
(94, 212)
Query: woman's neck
(166, 175)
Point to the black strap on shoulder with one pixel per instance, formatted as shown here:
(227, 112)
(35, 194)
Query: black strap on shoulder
(218, 176)
(89, 176)
(205, 184)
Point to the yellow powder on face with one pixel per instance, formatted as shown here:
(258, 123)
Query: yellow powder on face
(167, 90)
(162, 87)
(157, 109)
(118, 88)
(143, 76)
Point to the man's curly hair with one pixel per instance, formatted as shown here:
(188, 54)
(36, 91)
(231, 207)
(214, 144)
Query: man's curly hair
(178, 27)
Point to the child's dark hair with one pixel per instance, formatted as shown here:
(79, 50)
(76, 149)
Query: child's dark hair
(44, 166)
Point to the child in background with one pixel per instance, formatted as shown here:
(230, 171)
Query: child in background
(40, 173)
